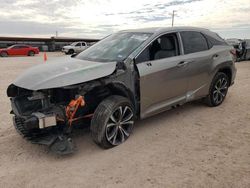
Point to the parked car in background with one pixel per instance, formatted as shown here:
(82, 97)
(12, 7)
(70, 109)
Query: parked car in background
(242, 48)
(130, 74)
(75, 47)
(247, 50)
(19, 49)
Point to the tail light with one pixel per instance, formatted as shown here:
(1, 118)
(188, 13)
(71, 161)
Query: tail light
(233, 52)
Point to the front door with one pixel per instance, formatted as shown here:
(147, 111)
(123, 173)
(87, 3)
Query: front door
(163, 75)
(78, 47)
(14, 50)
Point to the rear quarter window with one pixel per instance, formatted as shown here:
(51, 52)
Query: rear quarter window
(193, 41)
(212, 41)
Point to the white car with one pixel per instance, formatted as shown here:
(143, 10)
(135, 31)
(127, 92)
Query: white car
(75, 47)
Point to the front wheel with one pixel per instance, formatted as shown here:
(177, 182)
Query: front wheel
(71, 51)
(112, 122)
(218, 90)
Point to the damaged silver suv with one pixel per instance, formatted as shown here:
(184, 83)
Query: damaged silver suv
(130, 74)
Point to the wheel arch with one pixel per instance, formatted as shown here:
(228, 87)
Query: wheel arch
(227, 70)
(118, 88)
(31, 51)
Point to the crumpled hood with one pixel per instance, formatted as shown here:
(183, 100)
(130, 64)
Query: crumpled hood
(64, 72)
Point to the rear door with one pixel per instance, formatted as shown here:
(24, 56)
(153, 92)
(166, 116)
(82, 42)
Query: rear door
(199, 58)
(163, 76)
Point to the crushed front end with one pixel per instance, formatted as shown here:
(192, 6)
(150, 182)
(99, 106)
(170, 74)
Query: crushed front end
(47, 116)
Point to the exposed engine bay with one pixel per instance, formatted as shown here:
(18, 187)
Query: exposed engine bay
(48, 101)
(47, 116)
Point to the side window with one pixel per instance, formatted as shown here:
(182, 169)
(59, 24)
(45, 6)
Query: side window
(193, 42)
(163, 47)
(23, 47)
(83, 44)
(78, 44)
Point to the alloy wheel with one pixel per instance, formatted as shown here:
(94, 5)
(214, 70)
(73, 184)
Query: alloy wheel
(220, 90)
(119, 125)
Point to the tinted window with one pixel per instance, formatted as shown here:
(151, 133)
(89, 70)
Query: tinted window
(193, 42)
(83, 44)
(78, 44)
(163, 47)
(23, 46)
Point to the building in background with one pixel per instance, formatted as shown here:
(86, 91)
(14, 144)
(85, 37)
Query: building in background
(44, 44)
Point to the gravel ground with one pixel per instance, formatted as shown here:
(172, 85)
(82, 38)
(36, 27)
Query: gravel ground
(191, 146)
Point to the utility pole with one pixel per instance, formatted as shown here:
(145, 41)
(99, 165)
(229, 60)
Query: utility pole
(56, 34)
(173, 14)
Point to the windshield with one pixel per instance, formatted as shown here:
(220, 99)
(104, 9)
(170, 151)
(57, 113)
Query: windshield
(116, 47)
(74, 43)
(11, 47)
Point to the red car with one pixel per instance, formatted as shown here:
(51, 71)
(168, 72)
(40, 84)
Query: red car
(19, 49)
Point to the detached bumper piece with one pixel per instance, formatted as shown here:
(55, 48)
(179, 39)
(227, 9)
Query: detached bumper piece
(45, 120)
(55, 140)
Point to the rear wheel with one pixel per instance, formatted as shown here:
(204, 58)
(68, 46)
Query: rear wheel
(112, 122)
(218, 90)
(4, 54)
(31, 53)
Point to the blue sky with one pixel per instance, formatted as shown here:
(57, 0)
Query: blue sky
(98, 18)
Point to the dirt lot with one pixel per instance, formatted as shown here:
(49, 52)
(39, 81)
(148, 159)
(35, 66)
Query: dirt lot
(192, 146)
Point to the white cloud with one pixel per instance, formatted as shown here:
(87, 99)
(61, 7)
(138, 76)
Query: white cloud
(97, 18)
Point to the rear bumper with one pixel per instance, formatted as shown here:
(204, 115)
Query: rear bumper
(234, 71)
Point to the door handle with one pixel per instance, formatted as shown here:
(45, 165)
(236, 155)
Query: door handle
(149, 64)
(182, 63)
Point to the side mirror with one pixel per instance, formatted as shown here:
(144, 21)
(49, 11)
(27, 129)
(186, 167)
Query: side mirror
(73, 55)
(121, 65)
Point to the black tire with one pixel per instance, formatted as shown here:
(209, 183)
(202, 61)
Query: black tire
(218, 90)
(71, 51)
(31, 53)
(4, 54)
(112, 122)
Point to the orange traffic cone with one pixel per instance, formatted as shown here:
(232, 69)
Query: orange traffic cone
(45, 57)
